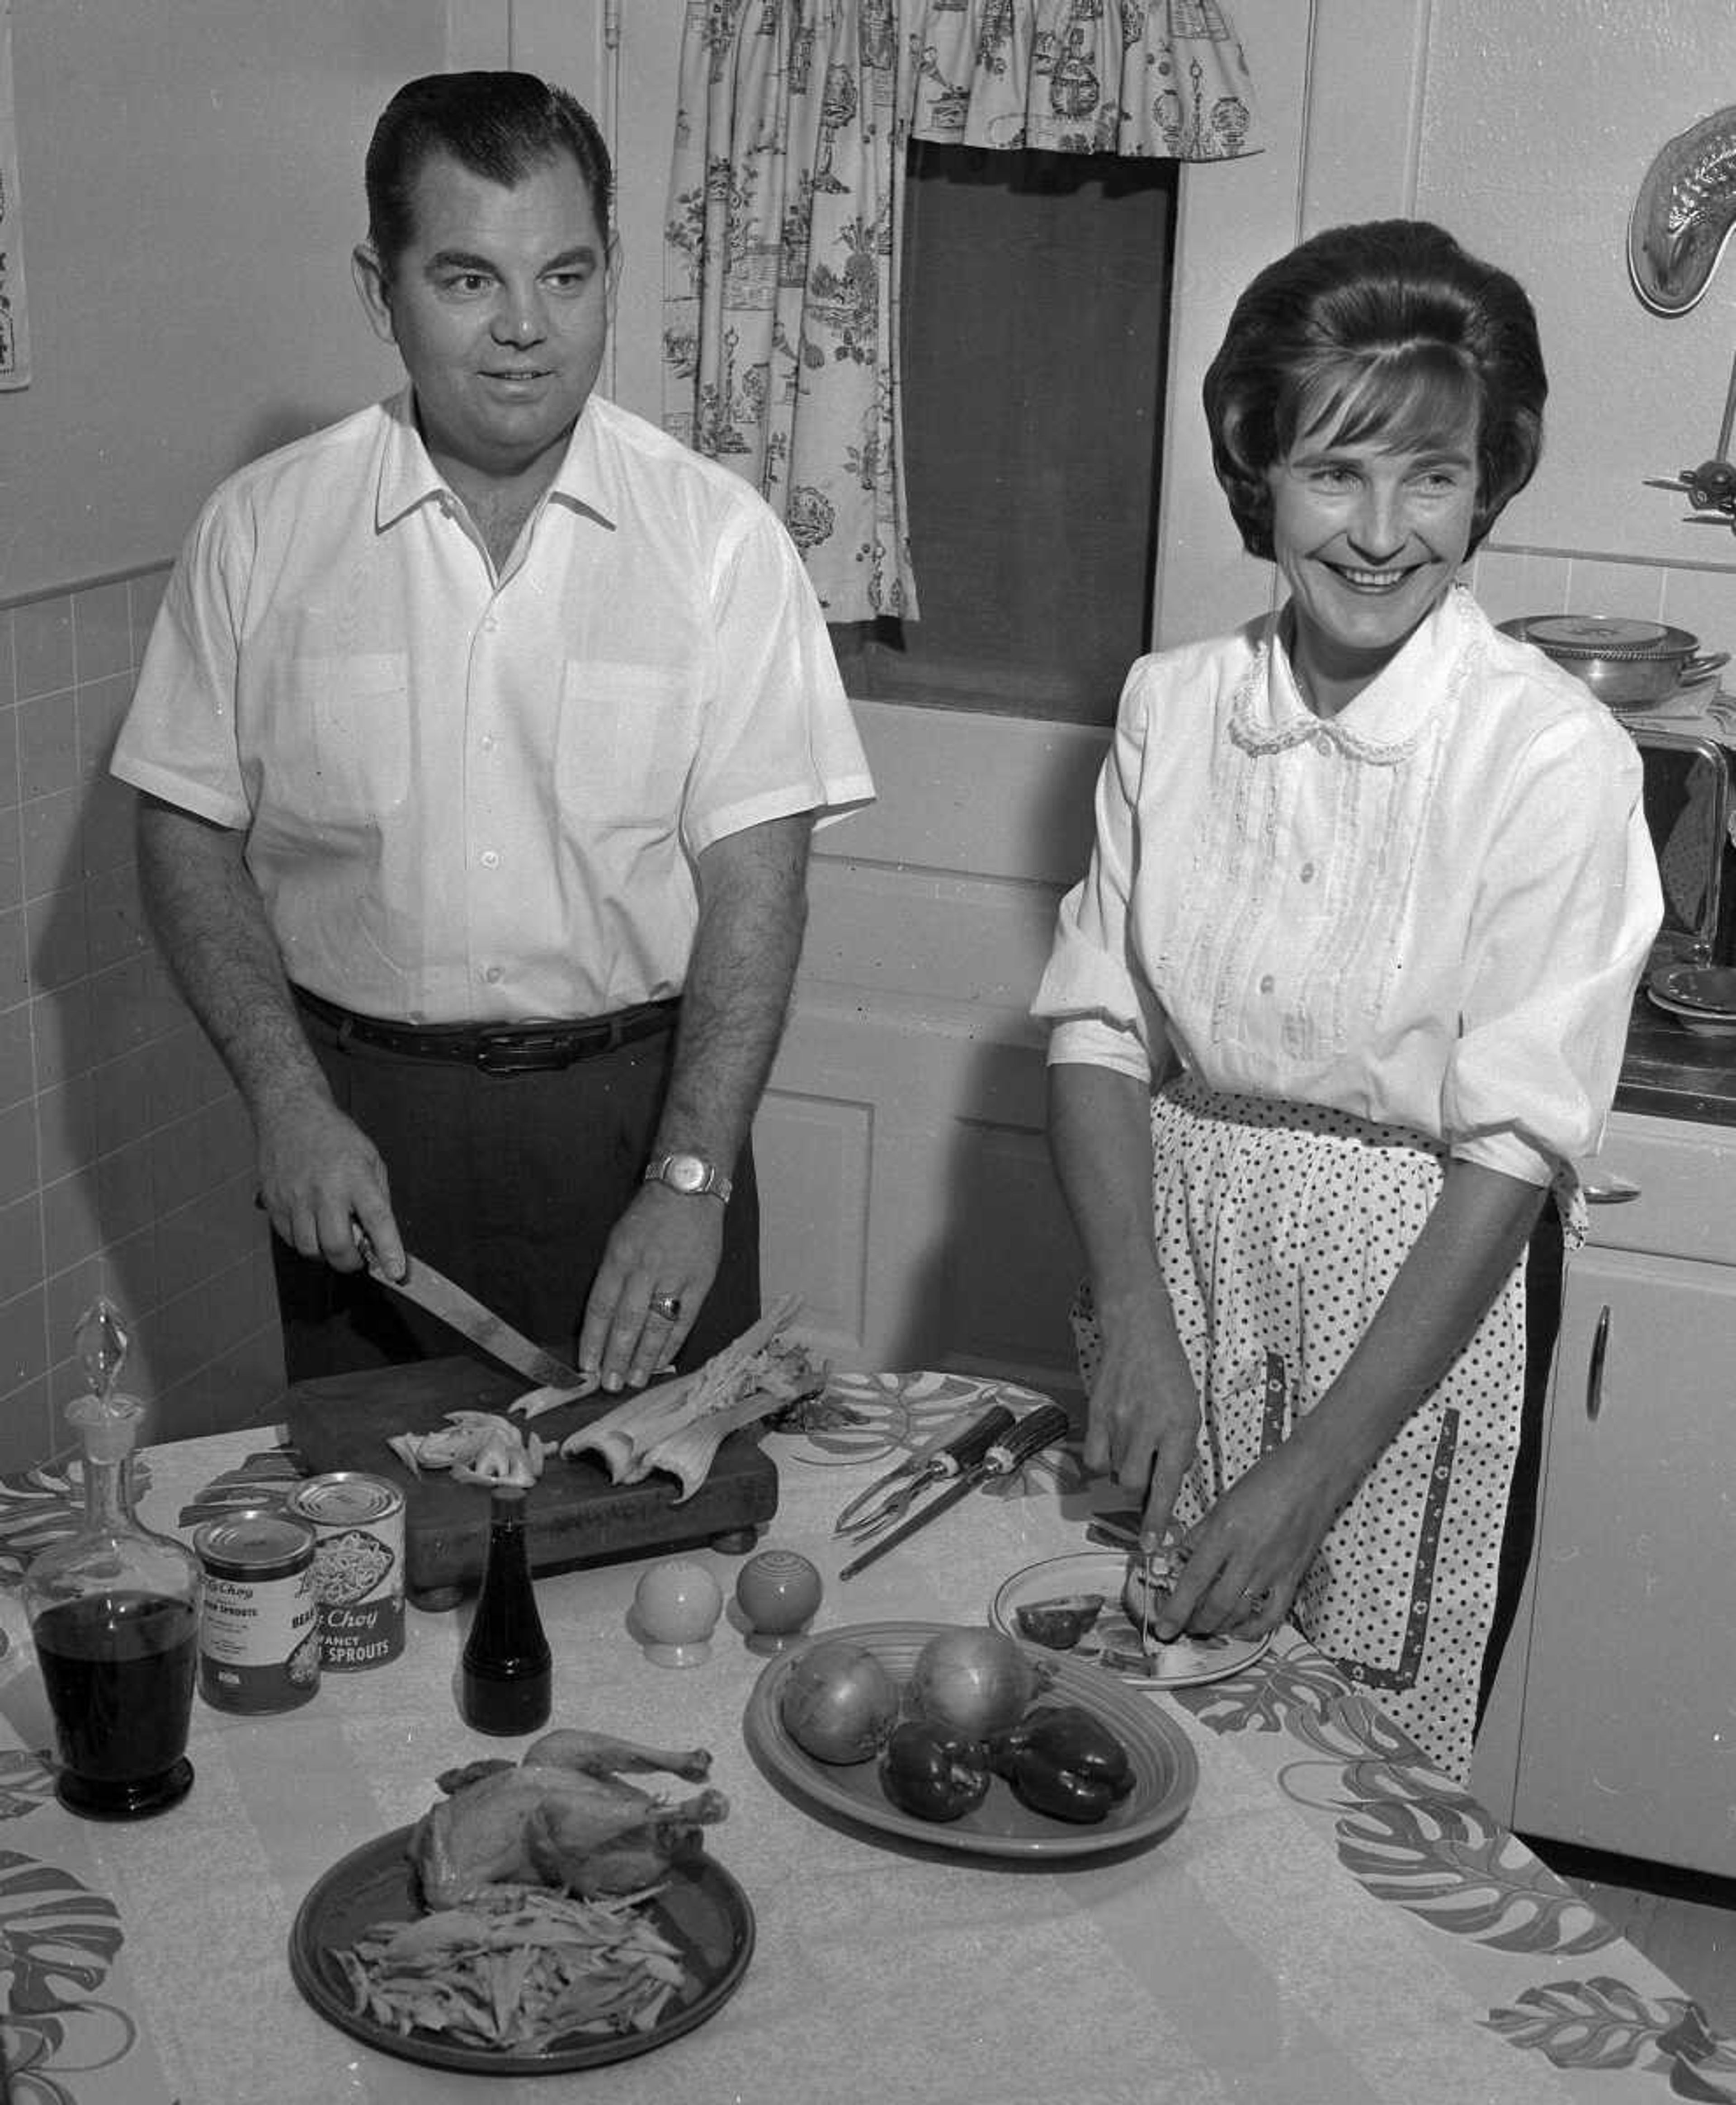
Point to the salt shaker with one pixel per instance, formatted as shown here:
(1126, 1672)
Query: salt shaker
(676, 1607)
(778, 1592)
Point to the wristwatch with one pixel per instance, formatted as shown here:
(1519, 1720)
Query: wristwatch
(690, 1174)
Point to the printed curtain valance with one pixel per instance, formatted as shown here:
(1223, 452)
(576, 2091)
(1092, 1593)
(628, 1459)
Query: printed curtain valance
(784, 231)
(1146, 79)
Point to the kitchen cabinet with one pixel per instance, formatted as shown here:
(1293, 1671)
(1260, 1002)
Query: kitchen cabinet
(1613, 1725)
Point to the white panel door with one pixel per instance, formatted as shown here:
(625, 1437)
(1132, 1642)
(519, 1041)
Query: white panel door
(909, 1196)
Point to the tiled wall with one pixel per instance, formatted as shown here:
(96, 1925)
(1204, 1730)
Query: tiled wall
(126, 1159)
(1511, 581)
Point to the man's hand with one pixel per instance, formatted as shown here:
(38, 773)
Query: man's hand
(320, 1179)
(323, 1185)
(666, 1244)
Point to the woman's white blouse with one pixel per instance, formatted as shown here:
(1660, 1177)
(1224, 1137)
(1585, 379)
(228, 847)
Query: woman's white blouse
(1431, 910)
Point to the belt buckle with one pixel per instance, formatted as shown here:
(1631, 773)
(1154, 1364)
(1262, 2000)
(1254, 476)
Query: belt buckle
(510, 1050)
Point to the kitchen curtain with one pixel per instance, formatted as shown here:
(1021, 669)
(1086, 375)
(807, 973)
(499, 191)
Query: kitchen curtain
(783, 237)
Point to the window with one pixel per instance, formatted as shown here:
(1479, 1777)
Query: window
(1035, 304)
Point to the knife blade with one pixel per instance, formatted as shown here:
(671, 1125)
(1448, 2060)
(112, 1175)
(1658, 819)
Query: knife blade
(490, 1332)
(1037, 1429)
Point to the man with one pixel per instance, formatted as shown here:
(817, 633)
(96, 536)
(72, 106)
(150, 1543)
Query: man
(480, 741)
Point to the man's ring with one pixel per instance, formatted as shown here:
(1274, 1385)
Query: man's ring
(668, 1306)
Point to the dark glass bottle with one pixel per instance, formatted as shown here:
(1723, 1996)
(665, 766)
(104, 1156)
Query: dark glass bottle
(506, 1680)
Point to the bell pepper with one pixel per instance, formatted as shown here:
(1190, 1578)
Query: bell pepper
(933, 1773)
(1062, 1761)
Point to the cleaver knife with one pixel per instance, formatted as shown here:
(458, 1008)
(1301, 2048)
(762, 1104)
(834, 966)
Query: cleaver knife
(490, 1332)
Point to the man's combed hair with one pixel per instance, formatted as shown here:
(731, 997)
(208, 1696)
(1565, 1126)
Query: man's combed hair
(501, 126)
(1389, 332)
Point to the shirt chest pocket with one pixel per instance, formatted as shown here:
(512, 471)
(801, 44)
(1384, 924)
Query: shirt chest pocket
(627, 741)
(344, 736)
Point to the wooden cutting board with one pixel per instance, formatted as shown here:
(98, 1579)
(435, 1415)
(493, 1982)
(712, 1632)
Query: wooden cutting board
(575, 1515)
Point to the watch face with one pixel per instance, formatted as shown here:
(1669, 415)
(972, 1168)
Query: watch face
(686, 1172)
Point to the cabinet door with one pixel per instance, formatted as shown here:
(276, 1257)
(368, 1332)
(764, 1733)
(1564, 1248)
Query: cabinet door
(1628, 1730)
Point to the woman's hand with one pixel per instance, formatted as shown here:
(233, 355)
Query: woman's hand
(1142, 1424)
(1240, 1568)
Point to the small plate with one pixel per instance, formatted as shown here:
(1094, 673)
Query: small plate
(701, 1908)
(1706, 1022)
(1166, 1770)
(1186, 1664)
(1708, 988)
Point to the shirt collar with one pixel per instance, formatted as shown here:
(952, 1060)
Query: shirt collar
(408, 477)
(1386, 721)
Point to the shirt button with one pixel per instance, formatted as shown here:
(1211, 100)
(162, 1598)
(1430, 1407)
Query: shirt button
(491, 859)
(1308, 872)
(493, 975)
(1267, 983)
(488, 744)
(1323, 740)
(489, 624)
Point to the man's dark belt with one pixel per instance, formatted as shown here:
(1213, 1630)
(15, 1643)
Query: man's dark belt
(497, 1048)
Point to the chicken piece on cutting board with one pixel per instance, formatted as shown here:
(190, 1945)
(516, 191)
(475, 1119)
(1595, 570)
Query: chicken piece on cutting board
(562, 1817)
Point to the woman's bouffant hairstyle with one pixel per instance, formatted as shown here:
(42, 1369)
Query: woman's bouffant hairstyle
(1387, 331)
(502, 126)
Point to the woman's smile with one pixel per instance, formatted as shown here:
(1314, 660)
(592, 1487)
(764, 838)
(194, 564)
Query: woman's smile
(1368, 539)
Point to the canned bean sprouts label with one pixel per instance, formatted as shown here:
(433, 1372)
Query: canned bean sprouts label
(358, 1524)
(259, 1624)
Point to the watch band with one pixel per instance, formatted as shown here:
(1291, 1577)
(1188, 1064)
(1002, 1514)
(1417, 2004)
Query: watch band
(692, 1175)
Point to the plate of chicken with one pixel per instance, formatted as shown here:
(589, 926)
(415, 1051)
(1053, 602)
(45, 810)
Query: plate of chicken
(541, 1915)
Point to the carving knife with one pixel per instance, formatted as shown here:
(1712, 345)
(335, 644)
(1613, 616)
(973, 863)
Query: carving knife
(490, 1332)
(1036, 1430)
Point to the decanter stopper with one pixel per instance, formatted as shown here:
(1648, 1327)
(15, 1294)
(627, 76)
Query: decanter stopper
(100, 1339)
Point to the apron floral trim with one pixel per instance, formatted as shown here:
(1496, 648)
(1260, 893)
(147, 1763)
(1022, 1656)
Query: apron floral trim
(1412, 1837)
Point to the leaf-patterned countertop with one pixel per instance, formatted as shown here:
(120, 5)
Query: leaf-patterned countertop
(1333, 1924)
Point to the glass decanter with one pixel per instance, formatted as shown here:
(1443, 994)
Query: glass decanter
(113, 1612)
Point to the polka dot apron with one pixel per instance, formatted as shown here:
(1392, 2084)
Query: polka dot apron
(1279, 1228)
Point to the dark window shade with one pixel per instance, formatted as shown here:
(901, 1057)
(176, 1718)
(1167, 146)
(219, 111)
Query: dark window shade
(1037, 290)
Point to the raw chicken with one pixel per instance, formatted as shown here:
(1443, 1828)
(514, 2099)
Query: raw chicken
(562, 1817)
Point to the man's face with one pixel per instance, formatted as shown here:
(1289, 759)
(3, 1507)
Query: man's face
(499, 307)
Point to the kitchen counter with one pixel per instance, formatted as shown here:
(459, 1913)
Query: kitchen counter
(1670, 1071)
(1332, 1924)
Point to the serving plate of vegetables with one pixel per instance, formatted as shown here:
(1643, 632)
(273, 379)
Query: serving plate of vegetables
(930, 1733)
(697, 1932)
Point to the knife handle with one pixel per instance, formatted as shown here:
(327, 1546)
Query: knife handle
(1037, 1429)
(965, 1449)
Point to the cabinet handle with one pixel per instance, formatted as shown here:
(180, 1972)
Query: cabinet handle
(1595, 1372)
(1608, 1191)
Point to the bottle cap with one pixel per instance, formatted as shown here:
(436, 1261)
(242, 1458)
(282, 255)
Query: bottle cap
(109, 1425)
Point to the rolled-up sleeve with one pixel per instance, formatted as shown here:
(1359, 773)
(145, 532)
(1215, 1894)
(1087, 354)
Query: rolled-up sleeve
(1568, 904)
(1098, 1003)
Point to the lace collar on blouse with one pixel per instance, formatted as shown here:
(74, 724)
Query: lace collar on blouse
(1386, 721)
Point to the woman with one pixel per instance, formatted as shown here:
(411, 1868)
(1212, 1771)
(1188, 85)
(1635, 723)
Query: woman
(1370, 893)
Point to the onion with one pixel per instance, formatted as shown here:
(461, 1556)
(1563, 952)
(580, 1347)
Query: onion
(977, 1681)
(838, 1702)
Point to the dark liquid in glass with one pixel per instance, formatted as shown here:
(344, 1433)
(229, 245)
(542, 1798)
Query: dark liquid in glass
(118, 1669)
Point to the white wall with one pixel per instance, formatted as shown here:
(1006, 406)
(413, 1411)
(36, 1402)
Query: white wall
(190, 178)
(1526, 131)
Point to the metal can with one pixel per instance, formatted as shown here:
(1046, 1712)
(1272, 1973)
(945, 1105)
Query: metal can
(259, 1624)
(358, 1524)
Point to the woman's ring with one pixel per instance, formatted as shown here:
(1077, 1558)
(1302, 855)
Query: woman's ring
(668, 1306)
